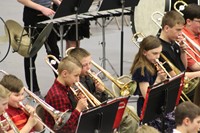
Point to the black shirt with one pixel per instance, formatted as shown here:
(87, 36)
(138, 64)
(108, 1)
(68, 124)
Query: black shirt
(173, 54)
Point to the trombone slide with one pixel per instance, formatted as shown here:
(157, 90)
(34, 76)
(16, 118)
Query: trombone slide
(38, 118)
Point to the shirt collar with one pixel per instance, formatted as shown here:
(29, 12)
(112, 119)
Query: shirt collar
(63, 87)
(189, 33)
(176, 131)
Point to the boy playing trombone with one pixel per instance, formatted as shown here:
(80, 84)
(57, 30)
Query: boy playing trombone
(25, 123)
(61, 97)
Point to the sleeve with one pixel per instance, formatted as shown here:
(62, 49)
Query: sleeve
(63, 103)
(189, 58)
(138, 77)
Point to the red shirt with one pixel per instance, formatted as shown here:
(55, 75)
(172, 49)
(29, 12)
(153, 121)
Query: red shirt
(18, 116)
(197, 41)
(58, 98)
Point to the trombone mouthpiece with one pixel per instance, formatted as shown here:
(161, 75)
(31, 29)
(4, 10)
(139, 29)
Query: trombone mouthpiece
(157, 60)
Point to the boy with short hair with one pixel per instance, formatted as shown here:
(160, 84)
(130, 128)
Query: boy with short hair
(25, 123)
(187, 117)
(127, 124)
(61, 97)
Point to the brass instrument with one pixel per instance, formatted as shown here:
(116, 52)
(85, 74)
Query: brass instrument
(156, 16)
(174, 68)
(129, 111)
(125, 88)
(182, 7)
(99, 80)
(10, 122)
(38, 118)
(84, 90)
(93, 101)
(59, 117)
(181, 4)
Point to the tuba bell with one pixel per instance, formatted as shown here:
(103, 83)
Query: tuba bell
(21, 40)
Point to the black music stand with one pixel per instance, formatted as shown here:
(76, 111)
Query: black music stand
(67, 8)
(161, 99)
(106, 6)
(100, 119)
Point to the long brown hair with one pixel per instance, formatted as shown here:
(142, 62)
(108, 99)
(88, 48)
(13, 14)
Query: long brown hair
(148, 43)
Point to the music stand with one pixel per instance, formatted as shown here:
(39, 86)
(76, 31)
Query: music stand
(161, 99)
(108, 5)
(100, 119)
(68, 8)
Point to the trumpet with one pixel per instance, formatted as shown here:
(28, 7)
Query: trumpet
(155, 20)
(85, 91)
(174, 68)
(10, 122)
(38, 118)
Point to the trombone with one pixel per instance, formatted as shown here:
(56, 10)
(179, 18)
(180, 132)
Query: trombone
(177, 71)
(182, 7)
(85, 91)
(156, 21)
(10, 122)
(125, 88)
(59, 117)
(38, 118)
(92, 100)
(94, 76)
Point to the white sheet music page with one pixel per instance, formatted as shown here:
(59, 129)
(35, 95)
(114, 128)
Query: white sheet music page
(94, 8)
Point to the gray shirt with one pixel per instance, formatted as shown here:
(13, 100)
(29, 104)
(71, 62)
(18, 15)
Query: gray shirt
(46, 3)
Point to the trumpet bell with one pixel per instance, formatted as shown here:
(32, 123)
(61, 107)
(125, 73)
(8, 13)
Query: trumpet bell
(128, 88)
(20, 40)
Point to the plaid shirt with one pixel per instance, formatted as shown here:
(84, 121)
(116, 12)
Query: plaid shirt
(58, 98)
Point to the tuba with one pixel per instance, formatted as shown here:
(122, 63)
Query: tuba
(21, 40)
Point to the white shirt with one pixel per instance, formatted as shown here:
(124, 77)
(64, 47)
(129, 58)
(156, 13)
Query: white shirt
(176, 131)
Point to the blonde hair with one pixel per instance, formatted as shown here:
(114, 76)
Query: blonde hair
(146, 129)
(4, 93)
(78, 53)
(68, 63)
